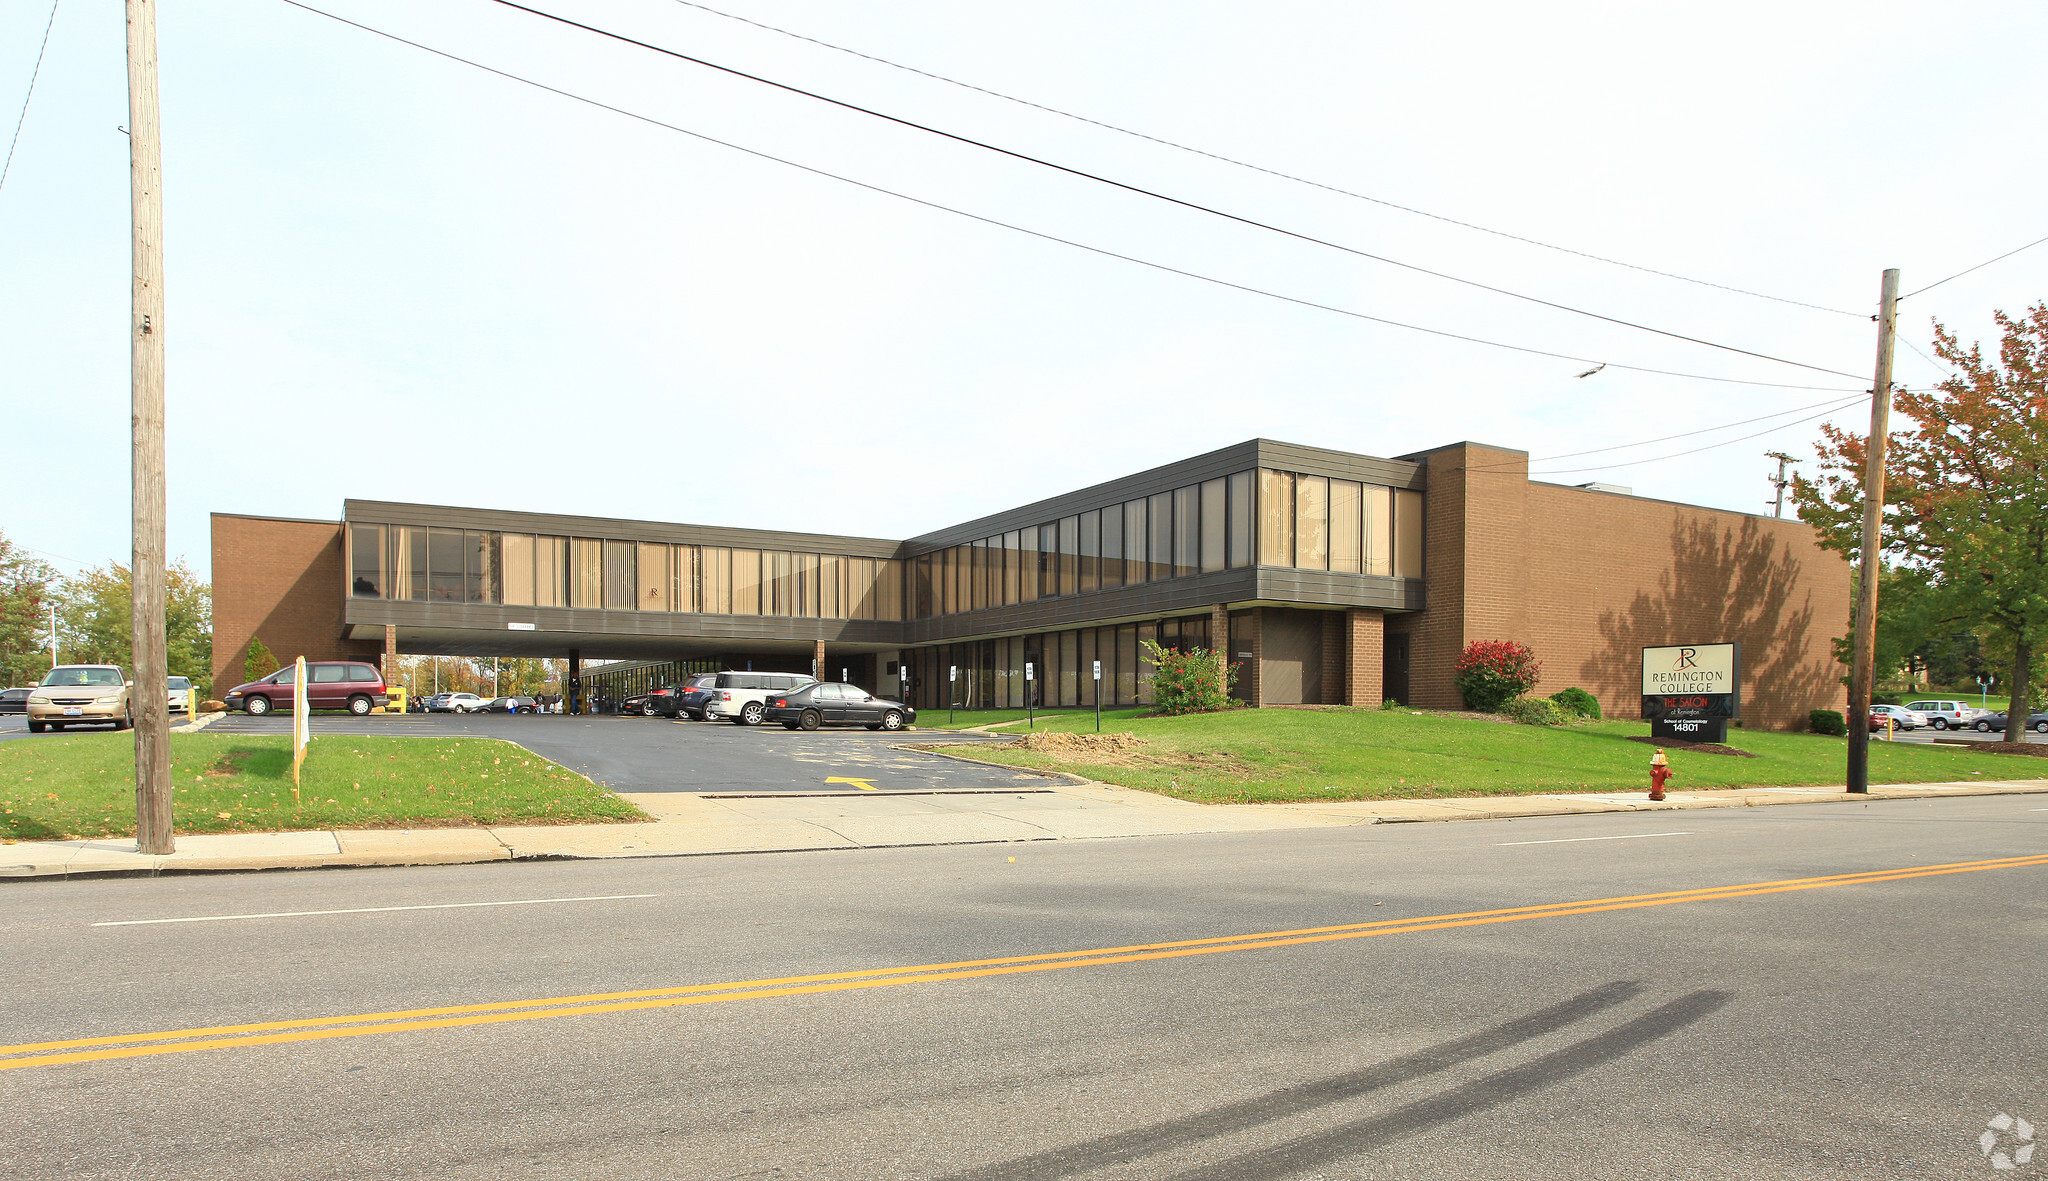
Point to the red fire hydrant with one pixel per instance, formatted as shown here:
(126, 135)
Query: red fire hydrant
(1660, 774)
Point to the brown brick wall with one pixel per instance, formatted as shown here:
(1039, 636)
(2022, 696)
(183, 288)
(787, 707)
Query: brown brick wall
(1364, 652)
(1588, 579)
(281, 580)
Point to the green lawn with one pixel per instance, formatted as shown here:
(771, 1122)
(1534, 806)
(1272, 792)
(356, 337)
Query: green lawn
(83, 785)
(935, 719)
(1258, 756)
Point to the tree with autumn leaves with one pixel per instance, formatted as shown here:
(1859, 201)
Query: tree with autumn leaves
(1966, 496)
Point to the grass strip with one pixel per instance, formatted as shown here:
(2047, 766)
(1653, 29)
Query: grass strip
(81, 786)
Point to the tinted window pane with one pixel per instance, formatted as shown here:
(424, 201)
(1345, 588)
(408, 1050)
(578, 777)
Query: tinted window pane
(327, 674)
(1160, 531)
(1379, 530)
(1407, 534)
(1027, 565)
(1187, 531)
(551, 572)
(1241, 520)
(1312, 522)
(446, 564)
(1214, 521)
(746, 582)
(1276, 518)
(620, 585)
(586, 574)
(1048, 560)
(652, 563)
(1091, 550)
(1347, 506)
(366, 552)
(1070, 555)
(1112, 562)
(1134, 542)
(518, 561)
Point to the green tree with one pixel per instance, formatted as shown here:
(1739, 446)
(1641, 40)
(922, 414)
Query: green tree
(258, 662)
(1967, 490)
(27, 588)
(94, 623)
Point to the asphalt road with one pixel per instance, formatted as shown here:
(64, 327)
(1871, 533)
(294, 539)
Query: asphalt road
(1866, 1028)
(657, 755)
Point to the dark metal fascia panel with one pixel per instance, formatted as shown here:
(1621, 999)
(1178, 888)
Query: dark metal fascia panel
(485, 617)
(508, 521)
(1238, 457)
(1325, 588)
(1321, 461)
(1150, 600)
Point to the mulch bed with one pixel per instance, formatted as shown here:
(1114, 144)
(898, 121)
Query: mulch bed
(2038, 750)
(1705, 748)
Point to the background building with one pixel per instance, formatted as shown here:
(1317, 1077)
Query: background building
(1326, 577)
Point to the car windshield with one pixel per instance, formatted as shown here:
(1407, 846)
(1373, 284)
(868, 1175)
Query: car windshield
(83, 676)
(181, 682)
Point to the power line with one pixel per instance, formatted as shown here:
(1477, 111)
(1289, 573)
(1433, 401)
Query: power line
(1039, 234)
(1156, 195)
(1273, 172)
(1980, 266)
(1946, 371)
(32, 76)
(1685, 434)
(1709, 447)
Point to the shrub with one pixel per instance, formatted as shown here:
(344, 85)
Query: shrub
(259, 663)
(1536, 711)
(1189, 682)
(1826, 721)
(1492, 673)
(1578, 701)
(1389, 705)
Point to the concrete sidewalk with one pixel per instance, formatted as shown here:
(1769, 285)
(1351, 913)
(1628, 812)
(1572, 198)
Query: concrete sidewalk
(697, 825)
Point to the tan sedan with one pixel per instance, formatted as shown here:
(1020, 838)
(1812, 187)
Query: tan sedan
(80, 694)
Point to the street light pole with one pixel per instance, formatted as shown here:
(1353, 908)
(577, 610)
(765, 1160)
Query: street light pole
(1862, 672)
(148, 698)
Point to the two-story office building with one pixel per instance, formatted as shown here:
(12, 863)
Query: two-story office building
(1324, 577)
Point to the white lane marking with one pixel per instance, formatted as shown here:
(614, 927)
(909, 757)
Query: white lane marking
(1569, 840)
(294, 914)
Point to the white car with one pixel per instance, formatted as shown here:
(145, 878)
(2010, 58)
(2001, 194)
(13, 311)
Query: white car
(1947, 715)
(742, 698)
(459, 703)
(181, 695)
(1903, 717)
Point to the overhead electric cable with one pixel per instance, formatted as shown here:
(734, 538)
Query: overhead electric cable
(1946, 370)
(1684, 434)
(1154, 194)
(32, 76)
(1696, 450)
(1273, 172)
(1039, 234)
(1980, 266)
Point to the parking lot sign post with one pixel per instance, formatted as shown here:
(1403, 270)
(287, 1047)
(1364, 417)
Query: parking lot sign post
(1030, 714)
(1983, 692)
(952, 690)
(1098, 697)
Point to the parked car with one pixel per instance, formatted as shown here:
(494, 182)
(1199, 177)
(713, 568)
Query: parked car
(510, 705)
(832, 703)
(15, 701)
(76, 694)
(741, 698)
(1947, 714)
(688, 699)
(656, 703)
(636, 704)
(456, 703)
(1993, 723)
(1902, 718)
(181, 695)
(355, 686)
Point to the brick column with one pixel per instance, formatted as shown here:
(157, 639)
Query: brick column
(1364, 657)
(1219, 640)
(818, 659)
(390, 653)
(1253, 677)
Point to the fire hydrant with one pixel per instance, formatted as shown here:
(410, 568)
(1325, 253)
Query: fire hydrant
(1660, 774)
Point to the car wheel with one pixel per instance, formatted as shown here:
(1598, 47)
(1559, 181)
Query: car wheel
(257, 706)
(359, 705)
(648, 710)
(2041, 727)
(35, 727)
(893, 720)
(1941, 723)
(750, 715)
(810, 719)
(125, 721)
(1983, 727)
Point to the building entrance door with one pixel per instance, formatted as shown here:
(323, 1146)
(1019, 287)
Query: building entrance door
(1394, 668)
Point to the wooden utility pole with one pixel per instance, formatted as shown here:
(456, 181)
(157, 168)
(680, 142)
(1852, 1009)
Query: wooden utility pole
(1781, 481)
(148, 704)
(1862, 671)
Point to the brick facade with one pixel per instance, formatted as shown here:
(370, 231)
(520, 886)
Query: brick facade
(280, 580)
(1364, 651)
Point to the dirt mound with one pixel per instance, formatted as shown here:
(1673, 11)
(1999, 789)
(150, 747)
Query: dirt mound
(1053, 742)
(1705, 748)
(2011, 748)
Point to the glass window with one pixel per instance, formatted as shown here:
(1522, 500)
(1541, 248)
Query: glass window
(1070, 693)
(1134, 542)
(923, 587)
(809, 592)
(889, 589)
(586, 576)
(1347, 532)
(1379, 530)
(484, 581)
(1011, 568)
(620, 585)
(551, 572)
(1241, 553)
(1048, 560)
(446, 565)
(682, 578)
(782, 597)
(1214, 522)
(518, 549)
(1070, 555)
(1276, 518)
(651, 562)
(1091, 550)
(746, 582)
(1084, 667)
(366, 557)
(328, 674)
(978, 556)
(1160, 529)
(1312, 522)
(831, 576)
(1187, 531)
(1027, 565)
(1146, 631)
(1127, 664)
(1407, 533)
(1112, 563)
(714, 580)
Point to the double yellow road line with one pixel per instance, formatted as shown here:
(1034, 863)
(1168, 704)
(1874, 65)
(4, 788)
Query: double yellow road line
(219, 1037)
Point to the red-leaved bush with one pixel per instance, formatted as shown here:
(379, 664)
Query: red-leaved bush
(1492, 673)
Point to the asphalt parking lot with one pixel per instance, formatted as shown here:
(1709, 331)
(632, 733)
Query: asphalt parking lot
(657, 755)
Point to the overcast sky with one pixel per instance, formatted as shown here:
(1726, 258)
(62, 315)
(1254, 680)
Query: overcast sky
(393, 276)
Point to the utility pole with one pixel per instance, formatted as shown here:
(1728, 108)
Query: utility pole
(148, 700)
(1780, 481)
(1862, 671)
(53, 635)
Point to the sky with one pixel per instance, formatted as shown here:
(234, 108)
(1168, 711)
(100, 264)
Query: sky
(393, 276)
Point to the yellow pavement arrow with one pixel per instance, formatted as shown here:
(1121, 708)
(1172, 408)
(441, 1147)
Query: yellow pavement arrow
(863, 784)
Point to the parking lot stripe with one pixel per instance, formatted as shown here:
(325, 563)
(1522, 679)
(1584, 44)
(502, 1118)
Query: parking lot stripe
(296, 914)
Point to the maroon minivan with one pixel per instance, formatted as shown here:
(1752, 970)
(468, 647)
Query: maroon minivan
(330, 684)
